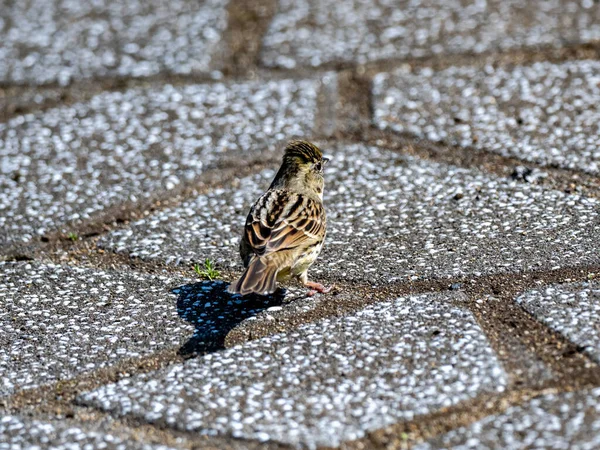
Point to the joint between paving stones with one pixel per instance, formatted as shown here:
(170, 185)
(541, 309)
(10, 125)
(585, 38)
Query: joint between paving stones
(120, 215)
(356, 113)
(512, 330)
(562, 179)
(355, 125)
(491, 300)
(571, 369)
(59, 400)
(496, 58)
(404, 435)
(247, 24)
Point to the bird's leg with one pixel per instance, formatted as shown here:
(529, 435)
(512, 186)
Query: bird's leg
(314, 287)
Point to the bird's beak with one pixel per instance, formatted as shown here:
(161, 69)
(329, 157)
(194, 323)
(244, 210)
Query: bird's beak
(325, 160)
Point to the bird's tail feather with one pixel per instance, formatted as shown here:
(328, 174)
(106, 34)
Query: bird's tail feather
(258, 278)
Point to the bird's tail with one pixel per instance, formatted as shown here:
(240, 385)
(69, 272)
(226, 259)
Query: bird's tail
(258, 278)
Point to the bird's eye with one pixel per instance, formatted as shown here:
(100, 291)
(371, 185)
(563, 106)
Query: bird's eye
(318, 167)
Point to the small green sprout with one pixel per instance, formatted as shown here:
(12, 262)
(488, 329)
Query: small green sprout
(73, 236)
(209, 270)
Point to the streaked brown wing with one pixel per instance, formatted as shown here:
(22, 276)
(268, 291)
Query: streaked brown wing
(283, 220)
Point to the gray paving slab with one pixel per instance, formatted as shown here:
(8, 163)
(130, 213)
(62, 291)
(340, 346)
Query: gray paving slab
(568, 421)
(572, 310)
(545, 113)
(68, 163)
(315, 32)
(61, 41)
(391, 218)
(18, 433)
(57, 322)
(325, 382)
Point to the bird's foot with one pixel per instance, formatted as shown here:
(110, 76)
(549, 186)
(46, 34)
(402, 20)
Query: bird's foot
(317, 288)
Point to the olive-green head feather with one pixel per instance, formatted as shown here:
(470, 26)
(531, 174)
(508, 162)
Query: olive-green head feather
(302, 152)
(302, 169)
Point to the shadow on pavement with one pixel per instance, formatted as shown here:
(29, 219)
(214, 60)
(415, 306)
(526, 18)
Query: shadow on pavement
(214, 312)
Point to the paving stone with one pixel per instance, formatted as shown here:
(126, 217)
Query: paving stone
(325, 382)
(315, 32)
(545, 113)
(568, 421)
(17, 433)
(61, 41)
(65, 164)
(390, 218)
(572, 310)
(57, 322)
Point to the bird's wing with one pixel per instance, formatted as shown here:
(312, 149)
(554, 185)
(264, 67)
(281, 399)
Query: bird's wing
(282, 220)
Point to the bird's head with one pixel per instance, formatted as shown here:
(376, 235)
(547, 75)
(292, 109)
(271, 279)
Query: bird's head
(302, 169)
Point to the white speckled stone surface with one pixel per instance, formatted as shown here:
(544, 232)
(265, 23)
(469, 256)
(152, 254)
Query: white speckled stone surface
(572, 310)
(68, 163)
(326, 382)
(547, 113)
(315, 32)
(18, 433)
(57, 322)
(390, 218)
(58, 41)
(567, 421)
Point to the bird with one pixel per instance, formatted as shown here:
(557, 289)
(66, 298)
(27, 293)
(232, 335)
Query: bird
(285, 229)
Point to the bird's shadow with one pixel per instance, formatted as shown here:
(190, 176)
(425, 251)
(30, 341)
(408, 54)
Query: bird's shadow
(214, 312)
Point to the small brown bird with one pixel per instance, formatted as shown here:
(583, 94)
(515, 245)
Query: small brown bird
(285, 229)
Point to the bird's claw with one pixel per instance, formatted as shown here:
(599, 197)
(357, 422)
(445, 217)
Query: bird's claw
(317, 288)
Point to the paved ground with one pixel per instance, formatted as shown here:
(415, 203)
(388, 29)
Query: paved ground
(463, 207)
(17, 432)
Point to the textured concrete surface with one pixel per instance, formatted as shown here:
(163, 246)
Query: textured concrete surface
(326, 382)
(391, 218)
(57, 322)
(67, 163)
(465, 281)
(545, 113)
(568, 421)
(314, 32)
(573, 310)
(61, 41)
(18, 433)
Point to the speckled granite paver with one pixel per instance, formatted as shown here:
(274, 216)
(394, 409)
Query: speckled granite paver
(65, 164)
(547, 113)
(573, 310)
(325, 382)
(314, 32)
(57, 322)
(61, 41)
(568, 421)
(390, 218)
(17, 433)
